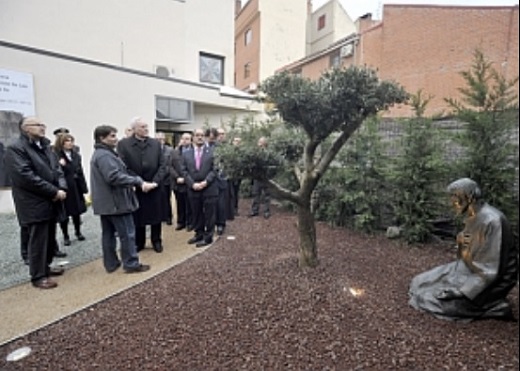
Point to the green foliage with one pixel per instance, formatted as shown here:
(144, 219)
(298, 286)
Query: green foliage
(355, 193)
(418, 170)
(490, 109)
(341, 97)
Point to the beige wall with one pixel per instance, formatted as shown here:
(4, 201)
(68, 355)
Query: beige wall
(248, 19)
(131, 33)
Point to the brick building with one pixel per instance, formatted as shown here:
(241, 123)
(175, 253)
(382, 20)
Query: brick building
(424, 47)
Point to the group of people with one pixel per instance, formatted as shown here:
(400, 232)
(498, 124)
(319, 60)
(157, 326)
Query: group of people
(131, 184)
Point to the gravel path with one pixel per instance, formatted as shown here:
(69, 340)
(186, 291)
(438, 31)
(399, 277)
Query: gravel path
(14, 271)
(245, 305)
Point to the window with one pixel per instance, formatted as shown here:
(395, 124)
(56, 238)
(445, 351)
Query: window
(321, 22)
(173, 110)
(248, 36)
(247, 70)
(211, 68)
(335, 59)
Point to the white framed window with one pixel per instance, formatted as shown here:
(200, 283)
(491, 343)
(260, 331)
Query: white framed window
(211, 68)
(248, 37)
(173, 110)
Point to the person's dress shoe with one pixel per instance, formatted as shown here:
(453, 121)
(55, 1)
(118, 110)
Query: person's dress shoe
(169, 222)
(140, 268)
(26, 261)
(45, 283)
(220, 230)
(203, 243)
(56, 271)
(179, 227)
(66, 241)
(195, 239)
(189, 228)
(80, 237)
(113, 269)
(267, 215)
(158, 247)
(60, 254)
(250, 215)
(140, 248)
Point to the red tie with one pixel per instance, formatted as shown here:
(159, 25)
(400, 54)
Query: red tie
(198, 156)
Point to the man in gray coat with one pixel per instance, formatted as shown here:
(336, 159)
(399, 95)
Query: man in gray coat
(114, 200)
(38, 188)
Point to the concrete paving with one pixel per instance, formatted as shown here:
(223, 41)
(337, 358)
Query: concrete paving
(85, 282)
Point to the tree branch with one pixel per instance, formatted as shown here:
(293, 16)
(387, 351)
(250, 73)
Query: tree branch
(277, 191)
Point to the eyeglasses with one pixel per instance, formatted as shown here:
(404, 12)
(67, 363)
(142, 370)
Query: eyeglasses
(39, 125)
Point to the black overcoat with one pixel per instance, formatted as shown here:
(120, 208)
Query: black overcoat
(76, 183)
(144, 158)
(36, 178)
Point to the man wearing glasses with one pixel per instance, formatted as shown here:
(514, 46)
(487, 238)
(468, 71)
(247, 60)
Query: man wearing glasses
(38, 185)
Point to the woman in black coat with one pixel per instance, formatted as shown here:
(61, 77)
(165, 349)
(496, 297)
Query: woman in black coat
(70, 161)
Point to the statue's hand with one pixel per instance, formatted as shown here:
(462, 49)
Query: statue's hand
(448, 294)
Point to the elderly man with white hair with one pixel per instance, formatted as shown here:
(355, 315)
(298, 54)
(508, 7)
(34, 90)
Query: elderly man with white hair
(143, 156)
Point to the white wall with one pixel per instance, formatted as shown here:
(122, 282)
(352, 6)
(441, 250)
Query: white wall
(282, 38)
(132, 33)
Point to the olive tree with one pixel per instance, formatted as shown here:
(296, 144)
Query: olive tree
(325, 113)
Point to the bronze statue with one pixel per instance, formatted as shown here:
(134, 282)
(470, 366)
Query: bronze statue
(476, 285)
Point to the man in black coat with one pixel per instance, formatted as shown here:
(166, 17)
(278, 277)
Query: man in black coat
(199, 173)
(144, 157)
(38, 186)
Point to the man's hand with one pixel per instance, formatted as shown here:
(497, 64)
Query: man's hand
(448, 294)
(180, 181)
(60, 196)
(147, 186)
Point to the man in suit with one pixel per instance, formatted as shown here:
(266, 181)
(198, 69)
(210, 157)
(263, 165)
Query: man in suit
(38, 186)
(166, 186)
(200, 177)
(144, 157)
(184, 215)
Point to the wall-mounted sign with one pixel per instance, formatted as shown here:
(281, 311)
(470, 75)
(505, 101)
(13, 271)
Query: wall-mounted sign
(17, 92)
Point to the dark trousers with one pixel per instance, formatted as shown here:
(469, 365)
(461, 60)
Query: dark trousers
(236, 192)
(184, 214)
(24, 243)
(124, 226)
(204, 214)
(140, 235)
(260, 196)
(42, 239)
(64, 225)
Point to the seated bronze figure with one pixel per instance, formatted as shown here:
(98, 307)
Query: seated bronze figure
(476, 285)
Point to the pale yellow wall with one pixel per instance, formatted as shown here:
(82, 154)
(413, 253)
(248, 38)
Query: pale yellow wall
(132, 33)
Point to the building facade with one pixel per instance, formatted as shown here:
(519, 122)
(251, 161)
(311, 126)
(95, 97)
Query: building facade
(268, 35)
(424, 47)
(82, 63)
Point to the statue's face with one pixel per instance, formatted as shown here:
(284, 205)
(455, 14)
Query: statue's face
(460, 202)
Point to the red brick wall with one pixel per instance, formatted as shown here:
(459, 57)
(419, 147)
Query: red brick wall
(426, 47)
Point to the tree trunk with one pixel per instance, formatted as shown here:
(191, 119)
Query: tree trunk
(307, 232)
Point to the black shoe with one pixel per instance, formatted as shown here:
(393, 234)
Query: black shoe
(60, 254)
(179, 227)
(80, 237)
(56, 271)
(220, 230)
(140, 248)
(158, 247)
(267, 215)
(140, 268)
(195, 239)
(113, 269)
(189, 228)
(26, 261)
(66, 241)
(169, 222)
(250, 215)
(204, 243)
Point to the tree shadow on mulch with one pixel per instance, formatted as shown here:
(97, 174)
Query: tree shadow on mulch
(245, 305)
